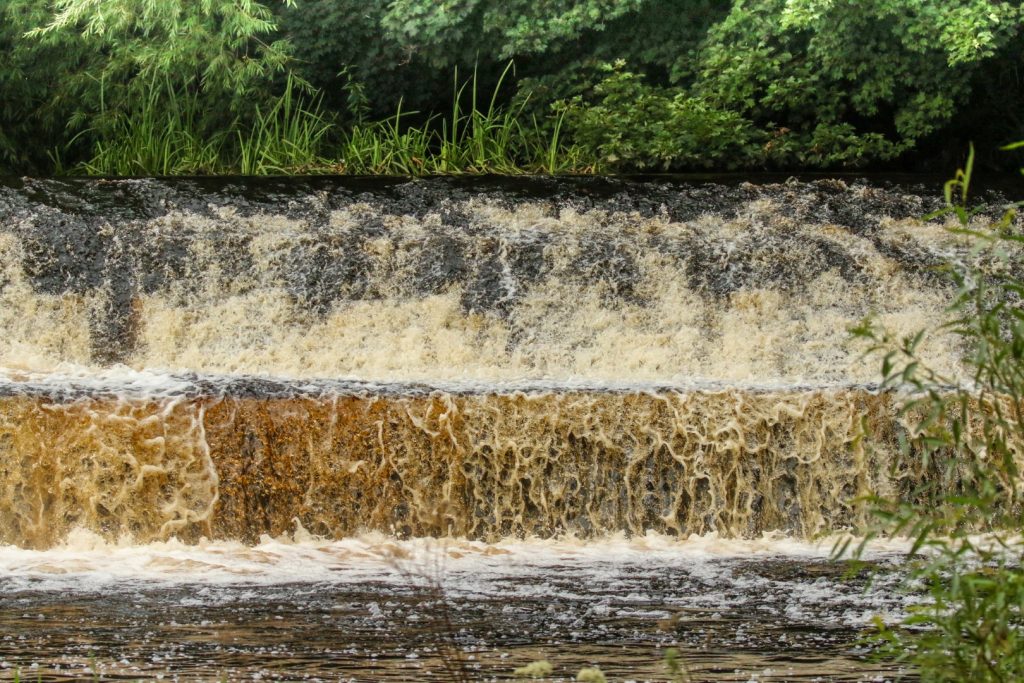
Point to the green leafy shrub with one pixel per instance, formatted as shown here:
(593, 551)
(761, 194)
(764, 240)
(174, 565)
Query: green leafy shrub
(447, 34)
(32, 117)
(634, 126)
(361, 70)
(218, 46)
(852, 80)
(405, 50)
(967, 520)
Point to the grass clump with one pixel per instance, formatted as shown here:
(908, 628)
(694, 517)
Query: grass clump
(591, 674)
(539, 669)
(161, 135)
(476, 137)
(168, 133)
(288, 137)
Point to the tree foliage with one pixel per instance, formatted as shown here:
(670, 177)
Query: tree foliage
(800, 83)
(461, 30)
(887, 72)
(87, 63)
(218, 44)
(29, 74)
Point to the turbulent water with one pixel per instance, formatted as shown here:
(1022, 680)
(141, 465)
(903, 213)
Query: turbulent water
(429, 357)
(431, 281)
(344, 459)
(188, 367)
(374, 608)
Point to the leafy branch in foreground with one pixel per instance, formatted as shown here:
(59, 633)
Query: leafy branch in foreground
(966, 520)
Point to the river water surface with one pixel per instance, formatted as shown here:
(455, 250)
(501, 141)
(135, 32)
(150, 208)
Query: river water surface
(376, 608)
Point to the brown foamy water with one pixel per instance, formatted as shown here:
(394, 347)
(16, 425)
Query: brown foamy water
(741, 284)
(479, 465)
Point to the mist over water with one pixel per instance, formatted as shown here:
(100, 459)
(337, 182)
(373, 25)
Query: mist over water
(544, 373)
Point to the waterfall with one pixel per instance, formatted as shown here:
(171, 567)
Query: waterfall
(479, 359)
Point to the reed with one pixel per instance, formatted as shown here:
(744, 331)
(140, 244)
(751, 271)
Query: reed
(478, 136)
(166, 134)
(161, 136)
(286, 138)
(480, 140)
(385, 148)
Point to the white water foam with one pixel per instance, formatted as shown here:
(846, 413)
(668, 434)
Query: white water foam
(563, 569)
(119, 379)
(149, 383)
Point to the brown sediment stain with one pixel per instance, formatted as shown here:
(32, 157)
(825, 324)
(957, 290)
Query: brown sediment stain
(480, 465)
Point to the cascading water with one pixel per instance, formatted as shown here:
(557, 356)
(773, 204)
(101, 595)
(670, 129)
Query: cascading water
(428, 281)
(218, 363)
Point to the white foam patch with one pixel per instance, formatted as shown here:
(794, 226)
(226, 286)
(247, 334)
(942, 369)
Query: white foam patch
(127, 382)
(565, 569)
(132, 384)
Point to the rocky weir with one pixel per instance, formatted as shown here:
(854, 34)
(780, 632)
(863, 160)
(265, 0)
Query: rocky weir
(485, 359)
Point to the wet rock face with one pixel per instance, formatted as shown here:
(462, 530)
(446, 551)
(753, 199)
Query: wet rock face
(524, 278)
(783, 259)
(319, 272)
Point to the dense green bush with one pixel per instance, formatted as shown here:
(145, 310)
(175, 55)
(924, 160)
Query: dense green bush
(340, 47)
(407, 50)
(852, 80)
(798, 83)
(32, 118)
(457, 32)
(637, 126)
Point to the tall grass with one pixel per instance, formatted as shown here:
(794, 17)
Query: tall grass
(478, 136)
(167, 134)
(480, 140)
(386, 148)
(161, 136)
(288, 138)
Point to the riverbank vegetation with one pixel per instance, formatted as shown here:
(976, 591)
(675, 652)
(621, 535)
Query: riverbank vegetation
(968, 436)
(140, 87)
